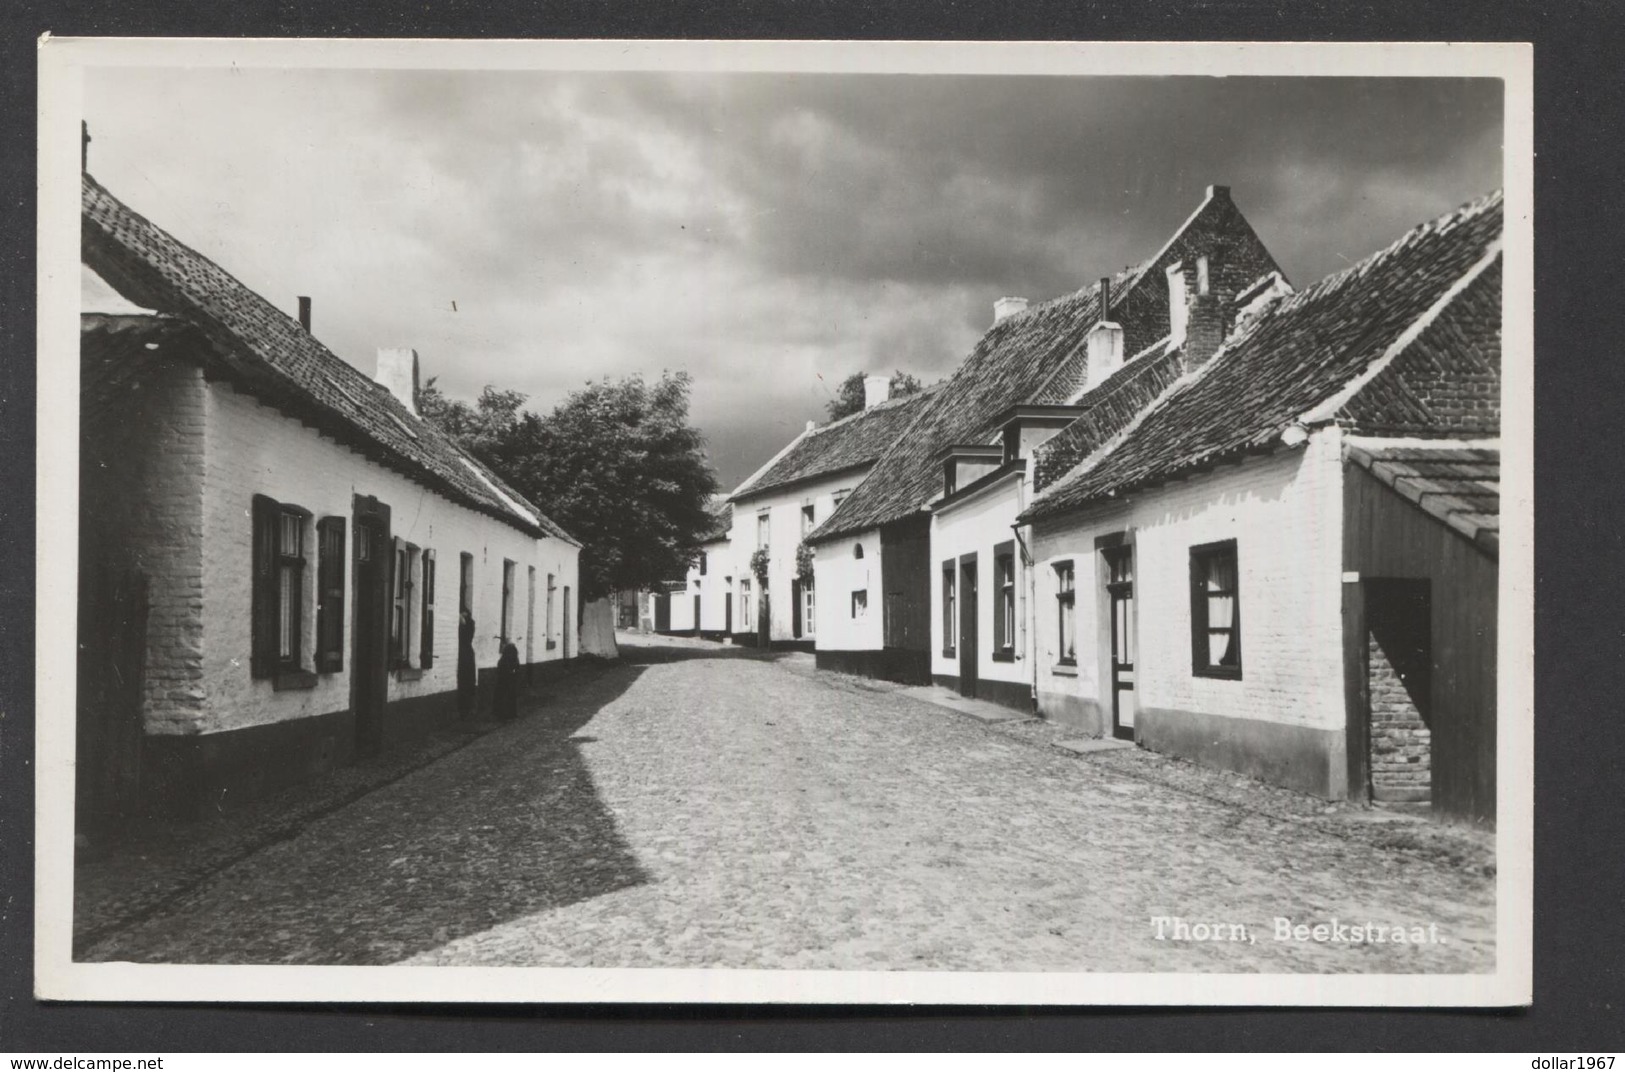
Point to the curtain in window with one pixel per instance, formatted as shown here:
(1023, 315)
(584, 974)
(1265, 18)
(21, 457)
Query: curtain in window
(1221, 610)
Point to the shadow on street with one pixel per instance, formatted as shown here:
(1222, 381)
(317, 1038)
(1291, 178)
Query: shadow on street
(508, 826)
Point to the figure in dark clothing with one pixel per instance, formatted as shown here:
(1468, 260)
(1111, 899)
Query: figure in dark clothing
(467, 679)
(506, 702)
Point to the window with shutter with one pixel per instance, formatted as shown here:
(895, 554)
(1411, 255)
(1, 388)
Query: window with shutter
(330, 568)
(400, 597)
(426, 586)
(276, 614)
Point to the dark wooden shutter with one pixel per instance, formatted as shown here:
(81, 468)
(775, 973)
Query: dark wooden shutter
(263, 615)
(330, 595)
(795, 608)
(1198, 613)
(398, 573)
(426, 653)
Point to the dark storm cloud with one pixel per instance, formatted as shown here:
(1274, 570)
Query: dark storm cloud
(767, 233)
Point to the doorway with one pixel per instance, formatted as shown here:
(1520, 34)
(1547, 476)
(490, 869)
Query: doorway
(1399, 689)
(1120, 591)
(969, 626)
(370, 654)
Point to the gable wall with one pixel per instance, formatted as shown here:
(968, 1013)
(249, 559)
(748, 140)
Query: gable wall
(141, 510)
(784, 536)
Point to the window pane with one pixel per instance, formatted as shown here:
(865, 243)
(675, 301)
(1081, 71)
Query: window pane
(292, 544)
(1221, 648)
(1221, 573)
(1221, 612)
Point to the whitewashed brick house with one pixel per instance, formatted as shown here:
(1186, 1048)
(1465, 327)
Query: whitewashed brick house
(703, 605)
(936, 516)
(778, 506)
(274, 548)
(1285, 564)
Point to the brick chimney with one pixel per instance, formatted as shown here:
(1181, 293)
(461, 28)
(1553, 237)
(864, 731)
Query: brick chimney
(876, 389)
(1005, 308)
(398, 371)
(1104, 343)
(304, 312)
(1211, 279)
(1201, 304)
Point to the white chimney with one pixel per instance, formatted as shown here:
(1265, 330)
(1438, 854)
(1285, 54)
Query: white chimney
(1104, 343)
(876, 389)
(1005, 308)
(1178, 310)
(398, 371)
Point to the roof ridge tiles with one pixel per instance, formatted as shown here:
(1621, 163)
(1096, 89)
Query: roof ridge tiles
(1303, 350)
(268, 351)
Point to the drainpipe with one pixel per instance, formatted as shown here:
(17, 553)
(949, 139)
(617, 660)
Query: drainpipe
(1030, 619)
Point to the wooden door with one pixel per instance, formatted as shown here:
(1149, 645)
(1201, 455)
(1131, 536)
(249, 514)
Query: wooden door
(969, 626)
(1120, 588)
(370, 641)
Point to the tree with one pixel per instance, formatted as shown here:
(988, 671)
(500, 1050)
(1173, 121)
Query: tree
(616, 463)
(479, 428)
(849, 397)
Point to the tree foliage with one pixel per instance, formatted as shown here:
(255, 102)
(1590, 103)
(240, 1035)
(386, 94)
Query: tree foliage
(616, 463)
(849, 395)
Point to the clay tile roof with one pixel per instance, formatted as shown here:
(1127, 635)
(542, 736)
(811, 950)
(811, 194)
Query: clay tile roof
(722, 522)
(266, 351)
(1035, 356)
(1366, 342)
(852, 442)
(1457, 484)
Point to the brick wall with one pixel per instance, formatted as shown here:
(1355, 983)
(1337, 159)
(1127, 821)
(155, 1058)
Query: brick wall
(141, 498)
(1401, 744)
(252, 449)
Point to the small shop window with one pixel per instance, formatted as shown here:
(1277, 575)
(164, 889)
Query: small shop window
(860, 603)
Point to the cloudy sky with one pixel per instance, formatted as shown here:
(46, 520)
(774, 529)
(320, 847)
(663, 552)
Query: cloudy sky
(767, 233)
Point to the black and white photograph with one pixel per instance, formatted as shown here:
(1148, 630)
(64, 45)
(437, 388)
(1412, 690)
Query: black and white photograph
(765, 522)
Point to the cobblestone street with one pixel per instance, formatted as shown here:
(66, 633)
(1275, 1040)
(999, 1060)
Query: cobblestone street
(698, 806)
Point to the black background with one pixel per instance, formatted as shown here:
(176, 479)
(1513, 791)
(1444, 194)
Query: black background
(1579, 958)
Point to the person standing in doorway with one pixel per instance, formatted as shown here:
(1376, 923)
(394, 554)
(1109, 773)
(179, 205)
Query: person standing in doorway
(467, 678)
